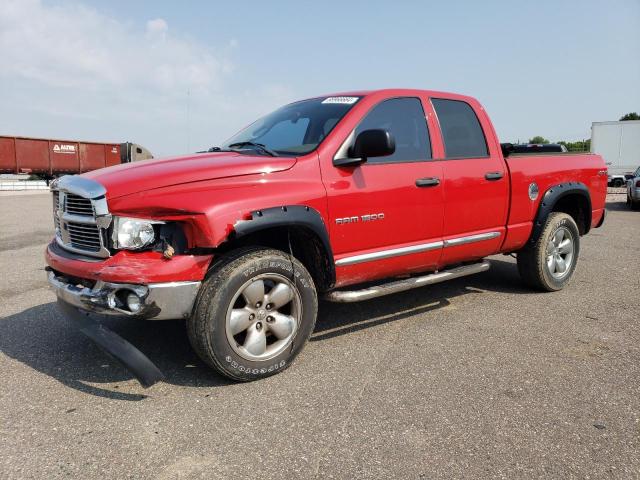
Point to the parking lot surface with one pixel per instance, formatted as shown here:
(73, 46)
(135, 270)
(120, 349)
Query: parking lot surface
(475, 378)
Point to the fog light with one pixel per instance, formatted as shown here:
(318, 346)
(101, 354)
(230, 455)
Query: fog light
(133, 302)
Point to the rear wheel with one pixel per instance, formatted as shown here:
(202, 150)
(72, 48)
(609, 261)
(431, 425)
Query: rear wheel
(254, 314)
(550, 262)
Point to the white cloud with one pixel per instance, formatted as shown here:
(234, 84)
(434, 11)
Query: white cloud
(157, 26)
(75, 46)
(69, 70)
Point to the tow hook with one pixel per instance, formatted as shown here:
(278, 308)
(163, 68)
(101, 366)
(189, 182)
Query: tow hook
(143, 369)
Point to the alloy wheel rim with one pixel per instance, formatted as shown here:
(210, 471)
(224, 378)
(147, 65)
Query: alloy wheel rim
(559, 254)
(263, 317)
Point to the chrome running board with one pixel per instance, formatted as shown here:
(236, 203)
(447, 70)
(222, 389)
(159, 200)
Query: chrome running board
(348, 296)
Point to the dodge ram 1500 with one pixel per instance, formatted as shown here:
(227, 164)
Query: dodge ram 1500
(349, 196)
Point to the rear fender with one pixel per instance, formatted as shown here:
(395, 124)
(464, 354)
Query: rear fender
(550, 199)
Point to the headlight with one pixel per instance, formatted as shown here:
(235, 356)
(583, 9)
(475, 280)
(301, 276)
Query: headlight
(133, 233)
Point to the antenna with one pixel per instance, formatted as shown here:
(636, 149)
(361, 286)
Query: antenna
(188, 121)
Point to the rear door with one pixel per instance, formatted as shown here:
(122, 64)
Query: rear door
(476, 183)
(383, 222)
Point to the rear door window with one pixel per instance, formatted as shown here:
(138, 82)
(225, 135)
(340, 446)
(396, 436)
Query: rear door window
(461, 131)
(404, 118)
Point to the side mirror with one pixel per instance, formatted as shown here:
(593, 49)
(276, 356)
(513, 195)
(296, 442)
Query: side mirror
(369, 143)
(507, 149)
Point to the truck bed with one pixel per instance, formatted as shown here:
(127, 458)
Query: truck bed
(546, 170)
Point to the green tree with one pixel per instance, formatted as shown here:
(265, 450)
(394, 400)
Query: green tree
(630, 116)
(578, 146)
(538, 139)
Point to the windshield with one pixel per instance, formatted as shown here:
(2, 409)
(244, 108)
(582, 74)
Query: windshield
(294, 129)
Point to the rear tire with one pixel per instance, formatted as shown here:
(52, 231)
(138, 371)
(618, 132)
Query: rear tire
(254, 313)
(549, 263)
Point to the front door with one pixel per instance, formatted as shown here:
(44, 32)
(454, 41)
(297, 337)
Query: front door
(386, 214)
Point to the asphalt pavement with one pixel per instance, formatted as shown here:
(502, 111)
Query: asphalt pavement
(476, 378)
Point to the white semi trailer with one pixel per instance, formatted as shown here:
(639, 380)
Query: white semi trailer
(619, 145)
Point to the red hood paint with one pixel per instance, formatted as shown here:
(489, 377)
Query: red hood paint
(129, 178)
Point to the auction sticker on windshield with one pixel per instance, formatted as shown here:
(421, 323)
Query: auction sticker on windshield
(343, 100)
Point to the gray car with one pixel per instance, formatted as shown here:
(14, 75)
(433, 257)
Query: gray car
(633, 190)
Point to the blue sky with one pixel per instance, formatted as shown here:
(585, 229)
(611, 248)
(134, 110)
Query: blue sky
(181, 76)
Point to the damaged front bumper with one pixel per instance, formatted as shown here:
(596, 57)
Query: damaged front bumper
(114, 345)
(155, 301)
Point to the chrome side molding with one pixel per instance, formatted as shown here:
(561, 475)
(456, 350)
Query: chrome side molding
(454, 242)
(423, 247)
(394, 252)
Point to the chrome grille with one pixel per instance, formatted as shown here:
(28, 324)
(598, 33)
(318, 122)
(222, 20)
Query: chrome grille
(56, 204)
(81, 216)
(84, 237)
(77, 205)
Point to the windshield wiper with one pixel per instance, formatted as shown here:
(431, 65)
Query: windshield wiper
(259, 146)
(215, 149)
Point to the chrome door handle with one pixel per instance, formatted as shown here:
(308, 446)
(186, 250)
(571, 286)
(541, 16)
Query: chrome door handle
(493, 176)
(428, 182)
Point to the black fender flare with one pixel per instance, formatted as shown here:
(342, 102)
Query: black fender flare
(290, 216)
(551, 198)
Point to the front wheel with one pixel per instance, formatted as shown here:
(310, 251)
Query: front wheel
(549, 263)
(254, 313)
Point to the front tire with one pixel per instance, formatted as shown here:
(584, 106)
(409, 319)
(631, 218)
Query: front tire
(549, 263)
(254, 313)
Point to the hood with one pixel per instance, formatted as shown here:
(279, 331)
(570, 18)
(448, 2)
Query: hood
(144, 175)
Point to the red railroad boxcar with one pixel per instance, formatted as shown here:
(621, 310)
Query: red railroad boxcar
(50, 158)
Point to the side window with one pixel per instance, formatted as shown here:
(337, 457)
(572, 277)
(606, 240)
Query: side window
(461, 130)
(404, 118)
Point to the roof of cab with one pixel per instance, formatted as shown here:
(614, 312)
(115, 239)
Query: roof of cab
(399, 92)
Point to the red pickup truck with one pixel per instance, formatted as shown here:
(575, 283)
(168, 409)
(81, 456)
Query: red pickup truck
(351, 196)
